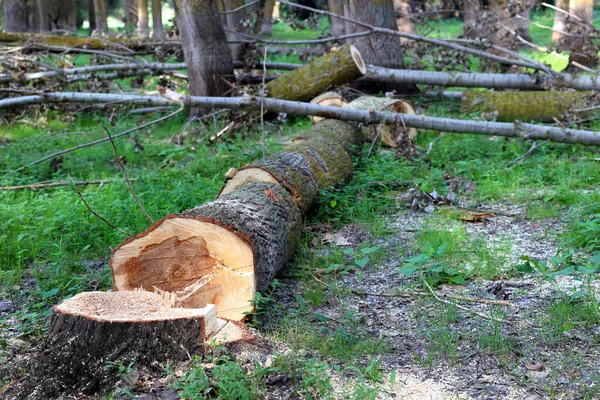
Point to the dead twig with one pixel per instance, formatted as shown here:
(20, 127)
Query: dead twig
(122, 167)
(95, 142)
(428, 294)
(485, 316)
(529, 153)
(262, 104)
(42, 185)
(100, 217)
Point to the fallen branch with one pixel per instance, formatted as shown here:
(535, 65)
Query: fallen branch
(473, 79)
(35, 186)
(516, 129)
(428, 294)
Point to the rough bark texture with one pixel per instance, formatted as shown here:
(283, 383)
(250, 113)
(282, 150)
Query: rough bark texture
(267, 18)
(526, 106)
(234, 20)
(582, 49)
(91, 16)
(312, 162)
(15, 16)
(377, 49)
(100, 14)
(205, 47)
(307, 82)
(42, 16)
(143, 18)
(560, 22)
(131, 12)
(327, 99)
(471, 9)
(338, 26)
(80, 348)
(158, 30)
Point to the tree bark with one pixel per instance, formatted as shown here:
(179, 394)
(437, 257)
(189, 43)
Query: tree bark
(376, 49)
(91, 16)
(100, 14)
(266, 27)
(42, 16)
(471, 10)
(582, 50)
(130, 8)
(15, 16)
(205, 47)
(234, 20)
(224, 251)
(307, 82)
(143, 18)
(337, 26)
(93, 332)
(560, 22)
(526, 106)
(158, 31)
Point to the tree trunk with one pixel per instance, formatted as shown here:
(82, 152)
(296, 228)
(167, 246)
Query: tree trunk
(143, 18)
(100, 13)
(522, 23)
(94, 332)
(526, 106)
(15, 16)
(267, 22)
(42, 13)
(205, 47)
(471, 10)
(305, 83)
(582, 48)
(560, 22)
(233, 21)
(130, 8)
(91, 16)
(157, 26)
(403, 18)
(338, 26)
(224, 251)
(376, 49)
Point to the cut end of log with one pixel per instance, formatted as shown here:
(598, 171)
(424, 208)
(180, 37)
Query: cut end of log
(358, 60)
(331, 99)
(246, 175)
(194, 262)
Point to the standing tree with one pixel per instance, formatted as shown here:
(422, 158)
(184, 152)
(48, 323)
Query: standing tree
(143, 17)
(91, 16)
(382, 50)
(560, 22)
(338, 27)
(130, 8)
(100, 15)
(157, 26)
(205, 47)
(266, 28)
(42, 15)
(233, 21)
(580, 22)
(15, 15)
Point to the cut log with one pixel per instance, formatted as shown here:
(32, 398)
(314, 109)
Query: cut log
(224, 251)
(332, 99)
(526, 106)
(312, 79)
(317, 160)
(219, 253)
(392, 136)
(94, 330)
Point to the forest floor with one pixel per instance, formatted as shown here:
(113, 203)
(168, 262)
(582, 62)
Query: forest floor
(353, 315)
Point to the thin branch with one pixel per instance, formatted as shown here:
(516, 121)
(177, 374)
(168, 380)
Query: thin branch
(41, 185)
(95, 142)
(100, 217)
(240, 8)
(436, 42)
(529, 153)
(262, 104)
(485, 316)
(122, 167)
(428, 294)
(255, 39)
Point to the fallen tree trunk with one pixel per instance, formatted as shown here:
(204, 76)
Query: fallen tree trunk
(224, 251)
(310, 80)
(527, 106)
(492, 81)
(516, 129)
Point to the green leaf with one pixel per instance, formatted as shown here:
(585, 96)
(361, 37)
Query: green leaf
(595, 259)
(565, 271)
(418, 259)
(525, 268)
(587, 270)
(369, 250)
(49, 293)
(322, 318)
(440, 251)
(333, 203)
(458, 280)
(578, 294)
(362, 262)
(408, 270)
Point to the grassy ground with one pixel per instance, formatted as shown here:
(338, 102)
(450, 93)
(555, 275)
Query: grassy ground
(538, 249)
